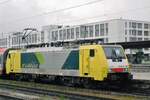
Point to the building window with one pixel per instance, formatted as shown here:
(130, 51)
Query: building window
(33, 35)
(106, 28)
(130, 24)
(133, 25)
(60, 34)
(35, 38)
(132, 38)
(53, 36)
(32, 38)
(139, 39)
(14, 40)
(106, 40)
(140, 33)
(20, 39)
(72, 33)
(17, 40)
(140, 25)
(125, 24)
(91, 31)
(125, 32)
(64, 34)
(130, 32)
(102, 29)
(145, 26)
(125, 39)
(146, 39)
(56, 35)
(77, 32)
(29, 38)
(86, 31)
(42, 36)
(23, 41)
(68, 34)
(82, 34)
(146, 33)
(134, 32)
(97, 30)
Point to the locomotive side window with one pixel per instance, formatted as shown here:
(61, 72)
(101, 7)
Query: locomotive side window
(92, 53)
(9, 55)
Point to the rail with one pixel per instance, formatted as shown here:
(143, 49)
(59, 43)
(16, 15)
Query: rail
(67, 92)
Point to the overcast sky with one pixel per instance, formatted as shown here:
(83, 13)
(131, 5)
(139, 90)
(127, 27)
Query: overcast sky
(16, 15)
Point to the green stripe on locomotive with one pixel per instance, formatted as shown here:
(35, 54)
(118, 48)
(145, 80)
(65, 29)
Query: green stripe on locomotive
(40, 57)
(72, 61)
(31, 60)
(47, 60)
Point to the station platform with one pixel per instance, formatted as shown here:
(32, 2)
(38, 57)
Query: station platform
(141, 75)
(141, 71)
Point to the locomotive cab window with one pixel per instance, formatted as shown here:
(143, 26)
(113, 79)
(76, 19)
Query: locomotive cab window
(92, 52)
(114, 52)
(9, 56)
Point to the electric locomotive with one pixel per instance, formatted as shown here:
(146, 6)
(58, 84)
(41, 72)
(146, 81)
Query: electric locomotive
(86, 62)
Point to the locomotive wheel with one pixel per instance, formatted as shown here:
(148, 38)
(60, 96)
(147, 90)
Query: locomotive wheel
(88, 83)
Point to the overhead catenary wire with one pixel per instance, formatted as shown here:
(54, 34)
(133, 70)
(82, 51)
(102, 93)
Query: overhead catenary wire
(119, 12)
(106, 15)
(58, 10)
(92, 17)
(76, 6)
(102, 15)
(4, 2)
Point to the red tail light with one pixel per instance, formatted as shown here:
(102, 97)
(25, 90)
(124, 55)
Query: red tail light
(117, 69)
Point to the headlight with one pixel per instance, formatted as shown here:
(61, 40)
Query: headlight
(126, 69)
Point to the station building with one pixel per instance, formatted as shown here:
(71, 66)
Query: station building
(116, 30)
(109, 31)
(4, 40)
(15, 39)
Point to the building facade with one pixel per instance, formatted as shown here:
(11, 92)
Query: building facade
(115, 30)
(45, 33)
(4, 40)
(16, 40)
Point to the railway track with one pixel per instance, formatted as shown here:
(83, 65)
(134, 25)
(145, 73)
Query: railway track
(68, 92)
(6, 97)
(68, 95)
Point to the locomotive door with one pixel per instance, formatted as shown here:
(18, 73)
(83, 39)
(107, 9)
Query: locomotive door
(12, 61)
(92, 58)
(85, 62)
(15, 62)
